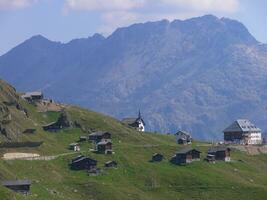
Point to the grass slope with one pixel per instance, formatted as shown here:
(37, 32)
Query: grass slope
(13, 119)
(135, 178)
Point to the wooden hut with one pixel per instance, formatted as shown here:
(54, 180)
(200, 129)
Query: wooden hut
(94, 171)
(110, 164)
(183, 137)
(21, 186)
(77, 158)
(220, 153)
(74, 146)
(83, 163)
(62, 122)
(82, 139)
(98, 136)
(104, 146)
(156, 157)
(186, 155)
(33, 96)
(29, 131)
(52, 127)
(210, 158)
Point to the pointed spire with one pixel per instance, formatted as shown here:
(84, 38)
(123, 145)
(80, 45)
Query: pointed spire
(139, 114)
(140, 119)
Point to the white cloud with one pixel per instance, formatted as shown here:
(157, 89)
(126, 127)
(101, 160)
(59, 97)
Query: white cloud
(103, 5)
(118, 13)
(123, 5)
(15, 4)
(113, 20)
(205, 5)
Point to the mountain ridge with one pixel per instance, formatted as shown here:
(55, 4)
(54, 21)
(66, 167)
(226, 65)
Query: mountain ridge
(195, 74)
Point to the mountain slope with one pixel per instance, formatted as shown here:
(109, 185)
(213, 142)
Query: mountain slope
(198, 74)
(13, 116)
(136, 177)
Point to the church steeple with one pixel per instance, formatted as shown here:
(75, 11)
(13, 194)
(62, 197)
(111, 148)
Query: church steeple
(140, 122)
(139, 114)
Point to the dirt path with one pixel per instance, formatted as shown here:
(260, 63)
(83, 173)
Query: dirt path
(12, 156)
(34, 156)
(252, 150)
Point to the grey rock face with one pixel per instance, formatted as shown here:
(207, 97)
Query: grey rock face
(197, 75)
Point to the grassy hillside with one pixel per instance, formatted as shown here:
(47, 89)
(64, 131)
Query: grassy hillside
(13, 117)
(136, 177)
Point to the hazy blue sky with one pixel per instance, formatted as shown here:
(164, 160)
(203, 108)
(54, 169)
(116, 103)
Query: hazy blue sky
(63, 20)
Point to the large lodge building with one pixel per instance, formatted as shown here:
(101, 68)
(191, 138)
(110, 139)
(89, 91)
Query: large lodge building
(242, 131)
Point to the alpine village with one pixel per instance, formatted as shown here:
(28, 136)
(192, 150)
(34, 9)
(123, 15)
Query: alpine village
(174, 109)
(40, 133)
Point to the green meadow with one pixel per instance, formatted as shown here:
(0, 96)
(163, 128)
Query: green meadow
(135, 178)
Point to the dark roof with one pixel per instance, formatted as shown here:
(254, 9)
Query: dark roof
(29, 129)
(82, 158)
(78, 157)
(157, 154)
(183, 135)
(73, 144)
(30, 94)
(211, 155)
(129, 120)
(242, 125)
(34, 93)
(52, 123)
(110, 162)
(186, 150)
(99, 133)
(16, 182)
(182, 138)
(218, 148)
(104, 142)
(133, 120)
(182, 132)
(140, 119)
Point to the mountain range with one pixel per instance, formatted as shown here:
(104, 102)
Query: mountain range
(196, 75)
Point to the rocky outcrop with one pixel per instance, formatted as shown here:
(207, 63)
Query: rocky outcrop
(13, 119)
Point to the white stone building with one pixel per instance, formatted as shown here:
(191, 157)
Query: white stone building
(242, 131)
(137, 123)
